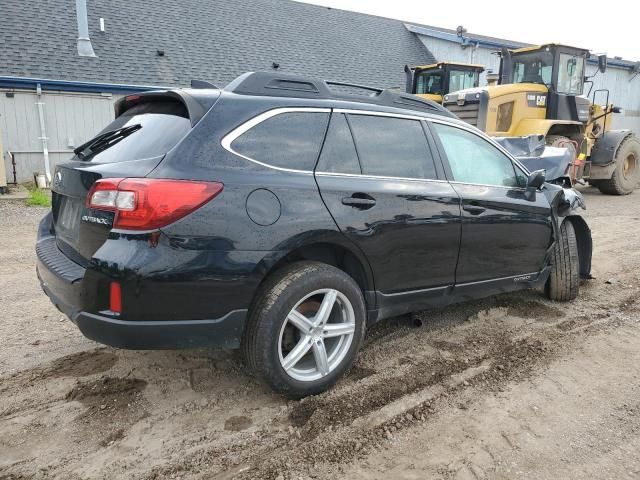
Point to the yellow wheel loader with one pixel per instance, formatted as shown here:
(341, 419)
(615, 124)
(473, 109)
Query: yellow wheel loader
(540, 93)
(434, 81)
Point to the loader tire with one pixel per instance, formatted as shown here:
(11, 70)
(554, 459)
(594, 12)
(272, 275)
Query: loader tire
(627, 173)
(560, 141)
(564, 280)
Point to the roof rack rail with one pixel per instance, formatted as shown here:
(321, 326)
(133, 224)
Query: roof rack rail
(354, 85)
(298, 86)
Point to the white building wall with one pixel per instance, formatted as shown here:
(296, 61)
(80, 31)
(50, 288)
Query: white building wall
(70, 119)
(445, 50)
(624, 91)
(624, 88)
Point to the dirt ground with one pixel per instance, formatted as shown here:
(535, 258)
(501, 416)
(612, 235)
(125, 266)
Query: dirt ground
(513, 386)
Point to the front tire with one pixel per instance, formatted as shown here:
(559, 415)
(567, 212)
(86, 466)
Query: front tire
(305, 328)
(564, 280)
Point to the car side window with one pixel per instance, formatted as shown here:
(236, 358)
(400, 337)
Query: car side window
(287, 140)
(338, 152)
(392, 147)
(474, 160)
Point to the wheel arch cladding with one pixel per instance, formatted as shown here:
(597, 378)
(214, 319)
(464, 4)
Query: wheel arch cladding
(606, 148)
(334, 254)
(585, 243)
(565, 129)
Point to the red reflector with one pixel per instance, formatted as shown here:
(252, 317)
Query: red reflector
(115, 298)
(147, 203)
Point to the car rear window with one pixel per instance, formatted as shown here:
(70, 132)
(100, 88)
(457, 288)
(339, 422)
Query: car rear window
(288, 140)
(162, 124)
(392, 147)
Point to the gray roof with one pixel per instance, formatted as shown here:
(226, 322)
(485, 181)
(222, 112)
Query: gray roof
(429, 30)
(212, 40)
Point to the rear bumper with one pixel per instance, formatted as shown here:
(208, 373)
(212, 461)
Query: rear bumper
(224, 332)
(74, 289)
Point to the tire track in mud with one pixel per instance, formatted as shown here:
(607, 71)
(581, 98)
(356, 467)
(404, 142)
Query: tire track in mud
(80, 364)
(484, 349)
(333, 443)
(507, 361)
(76, 365)
(111, 406)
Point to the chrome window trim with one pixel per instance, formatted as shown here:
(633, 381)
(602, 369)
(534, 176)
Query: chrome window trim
(379, 177)
(228, 139)
(453, 182)
(379, 114)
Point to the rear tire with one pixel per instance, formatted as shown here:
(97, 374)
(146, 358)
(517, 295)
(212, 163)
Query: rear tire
(627, 173)
(564, 280)
(288, 341)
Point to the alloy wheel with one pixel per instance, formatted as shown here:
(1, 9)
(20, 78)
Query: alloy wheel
(316, 335)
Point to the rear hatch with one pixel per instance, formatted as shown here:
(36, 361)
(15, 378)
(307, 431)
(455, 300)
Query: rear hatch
(146, 127)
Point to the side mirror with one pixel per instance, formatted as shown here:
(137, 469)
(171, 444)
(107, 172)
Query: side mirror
(536, 179)
(534, 182)
(602, 63)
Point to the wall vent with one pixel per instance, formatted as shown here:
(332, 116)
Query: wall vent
(85, 49)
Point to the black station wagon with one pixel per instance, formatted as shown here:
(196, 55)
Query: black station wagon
(284, 215)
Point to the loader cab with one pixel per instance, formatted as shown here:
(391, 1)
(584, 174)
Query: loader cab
(435, 81)
(558, 67)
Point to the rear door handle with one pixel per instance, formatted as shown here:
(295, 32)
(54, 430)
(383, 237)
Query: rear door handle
(473, 209)
(359, 200)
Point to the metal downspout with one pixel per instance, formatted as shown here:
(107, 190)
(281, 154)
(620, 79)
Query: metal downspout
(43, 135)
(474, 49)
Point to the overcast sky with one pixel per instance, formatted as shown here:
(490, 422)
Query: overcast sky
(609, 27)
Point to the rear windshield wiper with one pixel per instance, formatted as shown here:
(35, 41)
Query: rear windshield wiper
(104, 141)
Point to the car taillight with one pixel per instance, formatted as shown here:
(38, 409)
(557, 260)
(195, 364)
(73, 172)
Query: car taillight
(148, 203)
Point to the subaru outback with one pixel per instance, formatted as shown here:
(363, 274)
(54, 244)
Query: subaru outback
(285, 215)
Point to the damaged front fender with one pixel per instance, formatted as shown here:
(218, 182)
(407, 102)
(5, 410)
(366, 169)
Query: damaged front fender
(566, 204)
(572, 201)
(564, 201)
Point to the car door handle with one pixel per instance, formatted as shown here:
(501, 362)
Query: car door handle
(473, 209)
(359, 200)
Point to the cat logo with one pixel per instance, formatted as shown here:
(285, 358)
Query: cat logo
(538, 100)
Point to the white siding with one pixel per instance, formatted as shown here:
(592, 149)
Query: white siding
(446, 51)
(70, 119)
(624, 89)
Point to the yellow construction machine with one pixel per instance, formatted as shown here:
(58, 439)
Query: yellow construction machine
(436, 80)
(541, 92)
